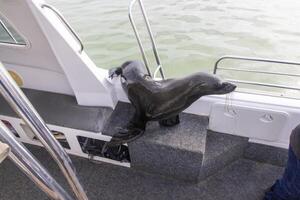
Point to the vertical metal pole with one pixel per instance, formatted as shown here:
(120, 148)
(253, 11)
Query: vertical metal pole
(155, 51)
(22, 106)
(154, 48)
(138, 38)
(31, 167)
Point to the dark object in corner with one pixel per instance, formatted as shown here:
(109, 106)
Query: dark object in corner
(95, 148)
(288, 187)
(160, 100)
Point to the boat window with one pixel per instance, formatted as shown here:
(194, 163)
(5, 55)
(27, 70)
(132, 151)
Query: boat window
(8, 34)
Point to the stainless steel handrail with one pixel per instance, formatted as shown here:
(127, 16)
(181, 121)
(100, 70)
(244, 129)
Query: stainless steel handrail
(31, 167)
(252, 59)
(216, 67)
(60, 16)
(153, 43)
(22, 106)
(259, 71)
(8, 32)
(263, 84)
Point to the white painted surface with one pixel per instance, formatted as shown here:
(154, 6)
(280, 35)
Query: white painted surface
(88, 83)
(265, 124)
(38, 52)
(42, 79)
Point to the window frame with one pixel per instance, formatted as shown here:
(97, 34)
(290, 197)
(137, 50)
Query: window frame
(25, 45)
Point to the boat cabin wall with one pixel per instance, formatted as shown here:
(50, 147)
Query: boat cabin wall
(52, 59)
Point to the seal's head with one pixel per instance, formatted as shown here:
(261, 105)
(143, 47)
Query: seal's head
(129, 70)
(209, 84)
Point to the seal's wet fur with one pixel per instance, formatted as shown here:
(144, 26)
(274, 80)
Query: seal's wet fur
(159, 100)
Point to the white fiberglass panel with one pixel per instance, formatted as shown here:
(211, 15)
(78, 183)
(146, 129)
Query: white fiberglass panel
(258, 123)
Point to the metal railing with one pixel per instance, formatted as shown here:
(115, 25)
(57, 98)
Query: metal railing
(22, 106)
(153, 43)
(31, 167)
(60, 16)
(216, 68)
(8, 32)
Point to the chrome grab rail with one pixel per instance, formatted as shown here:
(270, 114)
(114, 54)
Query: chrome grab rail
(153, 43)
(8, 32)
(21, 105)
(216, 67)
(31, 167)
(263, 84)
(60, 16)
(258, 71)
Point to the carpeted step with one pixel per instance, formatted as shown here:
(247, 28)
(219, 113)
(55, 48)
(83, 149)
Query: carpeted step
(221, 150)
(175, 152)
(266, 154)
(186, 151)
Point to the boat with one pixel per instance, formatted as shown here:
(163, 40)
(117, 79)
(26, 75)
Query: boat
(58, 109)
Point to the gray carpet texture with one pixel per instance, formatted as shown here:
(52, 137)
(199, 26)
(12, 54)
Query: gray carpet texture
(242, 180)
(185, 151)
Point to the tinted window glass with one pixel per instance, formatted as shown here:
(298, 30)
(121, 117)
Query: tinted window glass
(8, 34)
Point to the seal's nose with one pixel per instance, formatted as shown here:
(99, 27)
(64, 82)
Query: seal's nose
(228, 87)
(114, 72)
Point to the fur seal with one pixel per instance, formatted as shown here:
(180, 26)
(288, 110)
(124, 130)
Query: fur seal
(160, 100)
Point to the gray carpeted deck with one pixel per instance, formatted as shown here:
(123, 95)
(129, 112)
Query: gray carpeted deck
(242, 180)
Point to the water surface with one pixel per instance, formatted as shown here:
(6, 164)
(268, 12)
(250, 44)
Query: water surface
(192, 34)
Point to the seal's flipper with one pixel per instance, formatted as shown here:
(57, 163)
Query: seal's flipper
(114, 72)
(125, 135)
(172, 121)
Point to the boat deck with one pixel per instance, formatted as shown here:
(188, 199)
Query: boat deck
(244, 179)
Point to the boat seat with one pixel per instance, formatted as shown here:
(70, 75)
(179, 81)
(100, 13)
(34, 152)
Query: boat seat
(62, 110)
